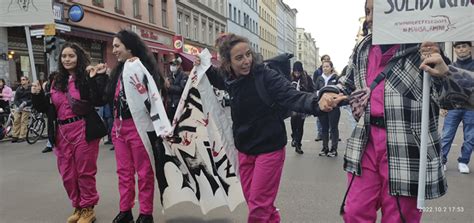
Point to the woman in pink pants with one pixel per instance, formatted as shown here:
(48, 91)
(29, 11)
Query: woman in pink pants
(382, 156)
(130, 153)
(78, 129)
(258, 128)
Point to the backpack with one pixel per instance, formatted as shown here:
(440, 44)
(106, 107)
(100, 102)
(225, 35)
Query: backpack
(282, 65)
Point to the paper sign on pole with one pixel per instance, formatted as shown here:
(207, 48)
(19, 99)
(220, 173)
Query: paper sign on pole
(25, 13)
(415, 21)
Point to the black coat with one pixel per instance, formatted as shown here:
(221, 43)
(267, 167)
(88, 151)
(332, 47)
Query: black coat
(258, 128)
(177, 81)
(94, 125)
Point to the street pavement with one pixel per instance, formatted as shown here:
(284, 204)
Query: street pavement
(311, 190)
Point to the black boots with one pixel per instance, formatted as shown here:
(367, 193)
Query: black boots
(124, 217)
(145, 218)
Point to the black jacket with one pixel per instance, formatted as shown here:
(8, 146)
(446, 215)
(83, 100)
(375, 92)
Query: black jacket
(22, 95)
(319, 82)
(257, 127)
(94, 125)
(177, 81)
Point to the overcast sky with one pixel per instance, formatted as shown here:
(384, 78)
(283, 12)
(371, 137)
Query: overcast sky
(332, 23)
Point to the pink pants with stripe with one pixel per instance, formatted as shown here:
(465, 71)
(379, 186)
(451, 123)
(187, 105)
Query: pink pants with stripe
(132, 157)
(260, 178)
(370, 191)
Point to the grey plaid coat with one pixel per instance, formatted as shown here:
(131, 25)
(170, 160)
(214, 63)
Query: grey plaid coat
(403, 105)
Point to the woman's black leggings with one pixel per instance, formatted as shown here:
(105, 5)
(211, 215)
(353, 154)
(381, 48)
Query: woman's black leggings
(330, 123)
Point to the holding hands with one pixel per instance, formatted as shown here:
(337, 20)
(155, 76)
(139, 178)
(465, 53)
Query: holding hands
(97, 69)
(329, 101)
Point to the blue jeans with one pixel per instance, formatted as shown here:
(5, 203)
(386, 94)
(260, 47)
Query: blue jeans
(451, 123)
(319, 128)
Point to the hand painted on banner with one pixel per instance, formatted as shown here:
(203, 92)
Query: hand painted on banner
(194, 77)
(137, 84)
(187, 140)
(204, 121)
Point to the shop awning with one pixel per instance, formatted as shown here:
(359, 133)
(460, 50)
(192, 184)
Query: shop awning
(157, 47)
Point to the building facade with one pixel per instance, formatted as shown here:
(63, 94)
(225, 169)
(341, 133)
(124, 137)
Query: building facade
(199, 22)
(243, 20)
(267, 29)
(152, 20)
(290, 31)
(306, 50)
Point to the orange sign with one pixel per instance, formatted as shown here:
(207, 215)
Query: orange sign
(50, 29)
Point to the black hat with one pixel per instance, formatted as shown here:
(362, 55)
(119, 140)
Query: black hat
(462, 42)
(298, 66)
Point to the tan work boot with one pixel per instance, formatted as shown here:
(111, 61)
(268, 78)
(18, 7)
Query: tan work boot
(87, 215)
(75, 216)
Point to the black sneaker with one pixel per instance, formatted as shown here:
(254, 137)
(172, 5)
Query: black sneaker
(298, 149)
(124, 217)
(293, 143)
(108, 142)
(332, 153)
(324, 152)
(47, 149)
(14, 139)
(112, 148)
(318, 139)
(145, 218)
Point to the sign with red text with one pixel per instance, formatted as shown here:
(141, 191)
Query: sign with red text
(415, 21)
(152, 36)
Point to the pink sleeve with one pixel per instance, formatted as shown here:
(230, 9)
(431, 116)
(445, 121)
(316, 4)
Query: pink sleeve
(7, 93)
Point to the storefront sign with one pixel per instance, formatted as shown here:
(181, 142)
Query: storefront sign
(25, 63)
(58, 12)
(76, 13)
(189, 49)
(178, 42)
(151, 36)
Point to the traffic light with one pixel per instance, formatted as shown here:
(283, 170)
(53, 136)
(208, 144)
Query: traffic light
(49, 44)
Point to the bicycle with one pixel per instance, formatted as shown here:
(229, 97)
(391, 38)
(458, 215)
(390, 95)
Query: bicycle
(36, 127)
(8, 124)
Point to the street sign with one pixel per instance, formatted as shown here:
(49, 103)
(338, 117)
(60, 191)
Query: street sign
(50, 29)
(37, 32)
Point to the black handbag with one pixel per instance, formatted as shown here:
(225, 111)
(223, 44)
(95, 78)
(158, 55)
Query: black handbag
(95, 127)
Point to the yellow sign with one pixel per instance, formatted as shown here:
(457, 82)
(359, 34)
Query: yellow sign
(50, 29)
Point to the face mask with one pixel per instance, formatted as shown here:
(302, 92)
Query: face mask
(173, 68)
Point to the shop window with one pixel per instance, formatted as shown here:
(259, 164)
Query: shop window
(151, 11)
(118, 7)
(136, 9)
(164, 13)
(98, 3)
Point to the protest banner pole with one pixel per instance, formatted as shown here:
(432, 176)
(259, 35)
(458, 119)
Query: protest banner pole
(30, 53)
(425, 118)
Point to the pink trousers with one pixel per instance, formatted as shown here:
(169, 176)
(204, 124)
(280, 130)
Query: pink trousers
(370, 191)
(132, 157)
(260, 178)
(77, 163)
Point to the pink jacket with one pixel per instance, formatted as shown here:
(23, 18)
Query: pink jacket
(7, 94)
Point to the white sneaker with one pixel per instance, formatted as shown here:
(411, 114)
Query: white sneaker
(445, 167)
(463, 168)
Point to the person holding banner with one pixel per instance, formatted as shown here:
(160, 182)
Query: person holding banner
(130, 152)
(259, 131)
(382, 155)
(74, 128)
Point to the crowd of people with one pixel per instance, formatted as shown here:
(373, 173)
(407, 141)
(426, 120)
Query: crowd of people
(85, 103)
